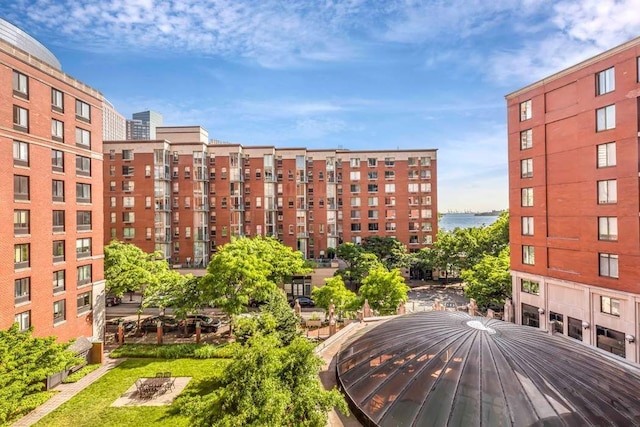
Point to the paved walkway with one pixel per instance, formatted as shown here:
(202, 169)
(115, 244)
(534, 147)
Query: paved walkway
(66, 392)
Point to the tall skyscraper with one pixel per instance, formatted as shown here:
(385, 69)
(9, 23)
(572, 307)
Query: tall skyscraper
(143, 125)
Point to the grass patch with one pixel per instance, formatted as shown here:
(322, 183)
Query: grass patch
(81, 373)
(91, 407)
(172, 351)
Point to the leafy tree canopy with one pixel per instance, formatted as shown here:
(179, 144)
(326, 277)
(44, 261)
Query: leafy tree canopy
(489, 281)
(268, 384)
(25, 362)
(384, 290)
(390, 251)
(334, 291)
(126, 267)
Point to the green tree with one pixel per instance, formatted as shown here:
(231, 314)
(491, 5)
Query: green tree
(126, 268)
(286, 320)
(25, 362)
(268, 384)
(384, 290)
(489, 281)
(358, 263)
(248, 268)
(334, 291)
(447, 253)
(391, 252)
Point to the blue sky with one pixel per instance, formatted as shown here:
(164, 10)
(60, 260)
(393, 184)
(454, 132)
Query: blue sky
(356, 74)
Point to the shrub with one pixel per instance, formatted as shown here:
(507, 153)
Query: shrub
(81, 373)
(169, 351)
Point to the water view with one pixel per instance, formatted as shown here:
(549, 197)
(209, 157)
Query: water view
(450, 221)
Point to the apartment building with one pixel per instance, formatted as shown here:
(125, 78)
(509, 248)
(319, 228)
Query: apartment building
(143, 125)
(51, 149)
(575, 201)
(185, 196)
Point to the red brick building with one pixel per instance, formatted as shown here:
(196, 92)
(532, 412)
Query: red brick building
(185, 196)
(51, 149)
(575, 201)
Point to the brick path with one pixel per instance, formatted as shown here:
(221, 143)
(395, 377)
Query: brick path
(66, 392)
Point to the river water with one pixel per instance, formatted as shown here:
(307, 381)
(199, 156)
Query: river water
(464, 220)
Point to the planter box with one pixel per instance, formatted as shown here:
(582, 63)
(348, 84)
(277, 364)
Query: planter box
(312, 323)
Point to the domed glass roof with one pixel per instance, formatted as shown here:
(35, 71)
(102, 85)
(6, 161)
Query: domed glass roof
(447, 368)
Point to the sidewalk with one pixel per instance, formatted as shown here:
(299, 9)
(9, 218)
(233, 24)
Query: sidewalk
(66, 392)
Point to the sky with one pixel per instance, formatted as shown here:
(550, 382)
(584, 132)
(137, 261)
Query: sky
(352, 74)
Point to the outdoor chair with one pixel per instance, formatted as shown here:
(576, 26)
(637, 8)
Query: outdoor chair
(159, 374)
(166, 374)
(172, 383)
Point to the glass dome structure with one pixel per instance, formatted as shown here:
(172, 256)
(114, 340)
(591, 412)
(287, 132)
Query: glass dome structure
(447, 368)
(20, 39)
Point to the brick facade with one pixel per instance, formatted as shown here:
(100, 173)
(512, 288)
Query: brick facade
(29, 242)
(573, 158)
(303, 196)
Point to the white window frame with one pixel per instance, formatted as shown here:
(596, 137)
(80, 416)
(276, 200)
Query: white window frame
(606, 155)
(607, 192)
(608, 228)
(608, 265)
(526, 197)
(526, 139)
(526, 168)
(606, 118)
(605, 81)
(528, 254)
(527, 225)
(525, 110)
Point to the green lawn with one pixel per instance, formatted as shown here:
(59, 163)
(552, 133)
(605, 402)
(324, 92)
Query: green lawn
(91, 407)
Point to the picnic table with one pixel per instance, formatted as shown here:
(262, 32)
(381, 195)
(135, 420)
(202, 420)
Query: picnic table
(149, 386)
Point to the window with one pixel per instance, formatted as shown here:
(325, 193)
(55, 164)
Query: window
(21, 223)
(389, 188)
(373, 226)
(20, 187)
(84, 302)
(530, 287)
(58, 221)
(607, 155)
(607, 192)
(83, 247)
(187, 172)
(557, 321)
(530, 316)
(413, 187)
(57, 190)
(607, 228)
(528, 255)
(20, 153)
(525, 110)
(526, 168)
(57, 100)
(390, 201)
(527, 197)
(21, 256)
(610, 340)
(58, 281)
(128, 186)
(355, 214)
(372, 214)
(59, 314)
(356, 227)
(83, 193)
(390, 214)
(355, 201)
(354, 188)
(113, 202)
(128, 232)
(83, 111)
(425, 187)
(20, 119)
(372, 188)
(390, 175)
(112, 215)
(355, 163)
(148, 233)
(606, 118)
(389, 162)
(372, 163)
(20, 85)
(372, 201)
(390, 226)
(83, 220)
(22, 290)
(23, 320)
(57, 160)
(610, 306)
(127, 170)
(128, 216)
(413, 174)
(527, 226)
(58, 250)
(526, 139)
(574, 329)
(609, 265)
(371, 175)
(83, 166)
(83, 138)
(605, 81)
(354, 175)
(187, 232)
(147, 202)
(147, 171)
(84, 274)
(57, 130)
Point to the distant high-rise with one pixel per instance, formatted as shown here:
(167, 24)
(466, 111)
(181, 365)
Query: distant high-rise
(143, 125)
(114, 124)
